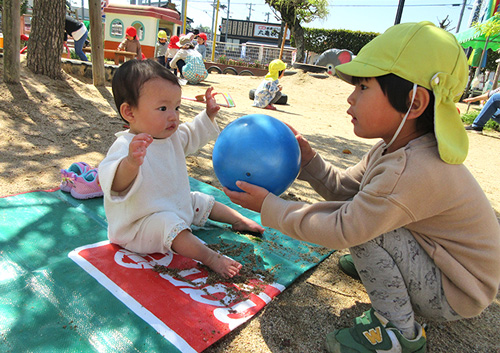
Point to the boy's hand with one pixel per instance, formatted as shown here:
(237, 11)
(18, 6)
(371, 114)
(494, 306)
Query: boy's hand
(212, 107)
(252, 197)
(137, 149)
(306, 151)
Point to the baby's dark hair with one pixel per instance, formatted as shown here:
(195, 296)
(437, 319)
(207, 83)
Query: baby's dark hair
(132, 75)
(397, 89)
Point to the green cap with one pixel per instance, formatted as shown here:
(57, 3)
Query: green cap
(430, 57)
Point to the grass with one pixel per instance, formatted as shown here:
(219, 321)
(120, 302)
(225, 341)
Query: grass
(469, 117)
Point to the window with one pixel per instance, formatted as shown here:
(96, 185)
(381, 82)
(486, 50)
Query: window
(140, 30)
(117, 28)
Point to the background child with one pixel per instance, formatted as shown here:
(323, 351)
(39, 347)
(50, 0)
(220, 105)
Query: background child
(147, 199)
(189, 62)
(173, 48)
(269, 90)
(78, 32)
(161, 47)
(421, 242)
(131, 43)
(201, 46)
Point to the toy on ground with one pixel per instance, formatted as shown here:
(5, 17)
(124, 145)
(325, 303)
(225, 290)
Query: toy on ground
(333, 57)
(258, 149)
(201, 99)
(283, 99)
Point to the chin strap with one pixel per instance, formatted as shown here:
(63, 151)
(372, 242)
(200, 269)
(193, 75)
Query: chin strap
(404, 119)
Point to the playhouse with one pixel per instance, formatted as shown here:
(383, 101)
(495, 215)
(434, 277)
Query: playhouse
(148, 20)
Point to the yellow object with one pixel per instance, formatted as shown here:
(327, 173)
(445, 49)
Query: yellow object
(275, 67)
(162, 34)
(430, 57)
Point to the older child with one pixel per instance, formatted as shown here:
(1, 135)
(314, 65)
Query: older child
(201, 45)
(269, 90)
(131, 43)
(422, 234)
(147, 199)
(173, 48)
(161, 47)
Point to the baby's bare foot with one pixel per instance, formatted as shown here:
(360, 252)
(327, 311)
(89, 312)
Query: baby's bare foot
(223, 265)
(246, 224)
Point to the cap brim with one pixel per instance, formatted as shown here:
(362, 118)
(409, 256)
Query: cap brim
(357, 69)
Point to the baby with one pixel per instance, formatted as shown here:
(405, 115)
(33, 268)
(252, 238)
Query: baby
(147, 198)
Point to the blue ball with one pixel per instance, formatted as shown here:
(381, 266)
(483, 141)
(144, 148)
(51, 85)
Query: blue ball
(258, 149)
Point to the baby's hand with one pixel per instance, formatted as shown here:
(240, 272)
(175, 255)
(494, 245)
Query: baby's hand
(137, 148)
(212, 107)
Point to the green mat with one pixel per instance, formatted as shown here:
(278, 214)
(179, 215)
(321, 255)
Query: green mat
(51, 303)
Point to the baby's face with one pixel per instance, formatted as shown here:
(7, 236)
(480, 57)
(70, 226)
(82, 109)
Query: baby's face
(157, 112)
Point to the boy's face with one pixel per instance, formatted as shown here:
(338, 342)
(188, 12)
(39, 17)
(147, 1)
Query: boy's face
(129, 37)
(162, 40)
(200, 40)
(157, 112)
(372, 114)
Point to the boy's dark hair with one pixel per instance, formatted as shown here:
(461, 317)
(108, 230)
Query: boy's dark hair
(397, 89)
(280, 72)
(132, 75)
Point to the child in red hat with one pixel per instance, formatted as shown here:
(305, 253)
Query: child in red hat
(131, 42)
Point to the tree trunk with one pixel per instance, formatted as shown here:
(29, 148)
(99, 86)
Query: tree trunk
(98, 74)
(298, 35)
(46, 38)
(12, 33)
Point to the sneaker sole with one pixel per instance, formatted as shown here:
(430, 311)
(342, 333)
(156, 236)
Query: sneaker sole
(86, 196)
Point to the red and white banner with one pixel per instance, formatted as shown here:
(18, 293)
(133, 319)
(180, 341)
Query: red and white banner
(190, 313)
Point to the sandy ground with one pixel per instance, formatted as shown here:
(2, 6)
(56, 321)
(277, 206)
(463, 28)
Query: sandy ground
(46, 125)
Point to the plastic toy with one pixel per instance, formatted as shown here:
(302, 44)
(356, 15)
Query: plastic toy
(258, 149)
(201, 99)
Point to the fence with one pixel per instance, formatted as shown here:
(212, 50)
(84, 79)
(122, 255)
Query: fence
(249, 52)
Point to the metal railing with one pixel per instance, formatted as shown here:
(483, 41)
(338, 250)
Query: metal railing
(251, 53)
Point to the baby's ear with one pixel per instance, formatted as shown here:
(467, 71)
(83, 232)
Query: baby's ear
(126, 112)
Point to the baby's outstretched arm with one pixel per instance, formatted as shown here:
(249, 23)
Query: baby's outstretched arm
(212, 107)
(129, 166)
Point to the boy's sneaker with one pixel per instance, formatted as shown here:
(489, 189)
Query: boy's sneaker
(370, 335)
(87, 186)
(270, 107)
(476, 129)
(69, 175)
(347, 266)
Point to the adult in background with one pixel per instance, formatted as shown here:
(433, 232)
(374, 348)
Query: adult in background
(489, 111)
(78, 31)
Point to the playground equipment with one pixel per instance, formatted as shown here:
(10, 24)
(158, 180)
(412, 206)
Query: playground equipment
(333, 57)
(147, 20)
